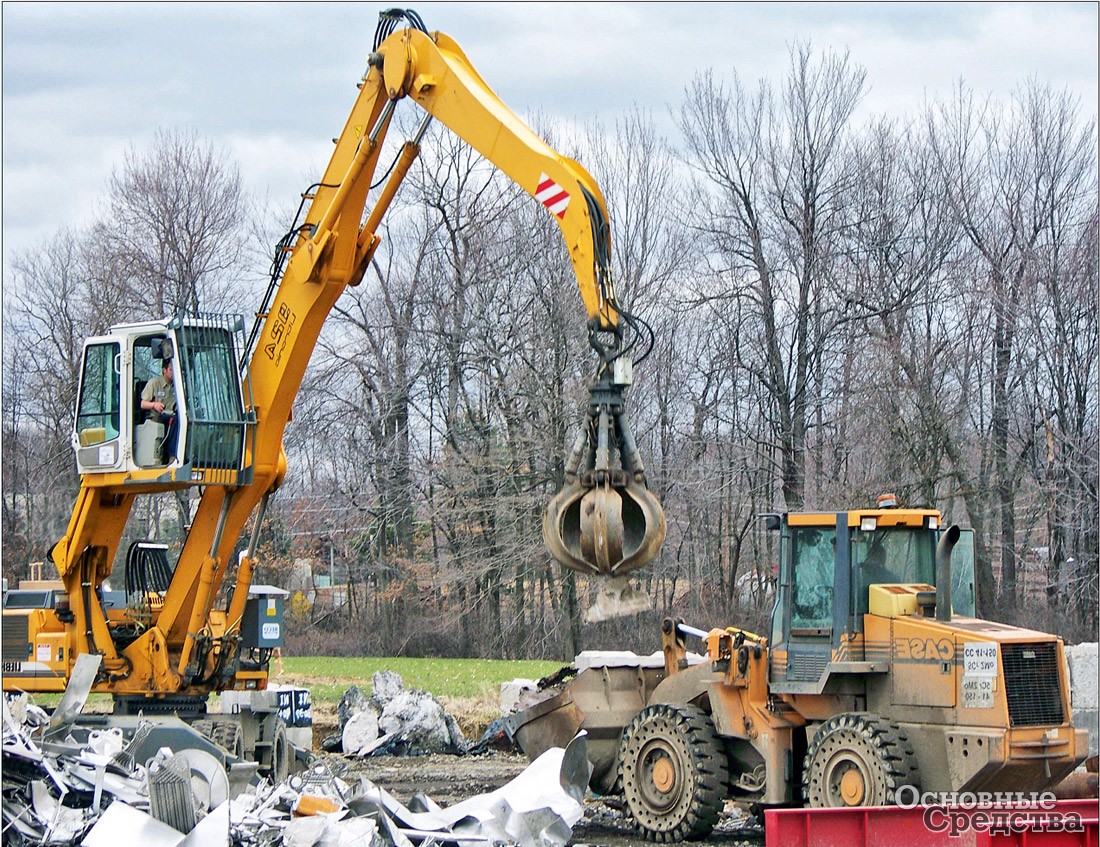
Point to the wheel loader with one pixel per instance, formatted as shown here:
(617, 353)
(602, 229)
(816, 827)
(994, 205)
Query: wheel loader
(875, 675)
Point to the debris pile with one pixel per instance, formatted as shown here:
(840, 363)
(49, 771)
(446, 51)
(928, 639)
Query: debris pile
(65, 786)
(517, 696)
(1082, 661)
(394, 720)
(60, 782)
(536, 809)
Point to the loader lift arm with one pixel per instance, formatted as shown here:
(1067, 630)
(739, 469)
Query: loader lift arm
(180, 652)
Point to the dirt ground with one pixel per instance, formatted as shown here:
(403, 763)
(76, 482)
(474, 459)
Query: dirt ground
(449, 779)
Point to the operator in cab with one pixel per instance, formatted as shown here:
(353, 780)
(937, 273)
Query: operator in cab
(159, 399)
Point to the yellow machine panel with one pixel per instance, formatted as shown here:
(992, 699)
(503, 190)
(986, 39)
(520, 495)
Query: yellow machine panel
(895, 601)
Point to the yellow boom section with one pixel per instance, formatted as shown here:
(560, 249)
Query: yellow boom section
(437, 75)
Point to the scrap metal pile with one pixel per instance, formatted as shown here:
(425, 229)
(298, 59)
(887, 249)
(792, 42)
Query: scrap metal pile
(165, 785)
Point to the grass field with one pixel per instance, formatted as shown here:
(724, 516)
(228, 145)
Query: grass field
(448, 679)
(468, 688)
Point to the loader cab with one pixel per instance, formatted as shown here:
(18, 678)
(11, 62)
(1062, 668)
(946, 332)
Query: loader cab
(827, 563)
(113, 434)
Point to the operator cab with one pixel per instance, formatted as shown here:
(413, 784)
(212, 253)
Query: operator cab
(114, 434)
(828, 563)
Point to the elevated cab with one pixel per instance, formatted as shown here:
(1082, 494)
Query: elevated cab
(113, 434)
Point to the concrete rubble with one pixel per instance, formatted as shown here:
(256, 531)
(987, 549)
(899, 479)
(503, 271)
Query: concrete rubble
(393, 720)
(67, 785)
(518, 694)
(1082, 661)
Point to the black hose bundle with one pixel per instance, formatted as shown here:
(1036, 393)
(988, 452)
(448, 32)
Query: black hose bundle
(389, 19)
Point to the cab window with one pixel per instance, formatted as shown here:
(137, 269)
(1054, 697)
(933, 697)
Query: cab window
(813, 563)
(896, 554)
(216, 419)
(97, 410)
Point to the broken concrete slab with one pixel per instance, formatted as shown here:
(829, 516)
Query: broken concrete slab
(353, 702)
(385, 685)
(393, 720)
(1082, 661)
(515, 694)
(360, 731)
(421, 719)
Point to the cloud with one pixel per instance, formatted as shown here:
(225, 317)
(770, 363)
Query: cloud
(274, 82)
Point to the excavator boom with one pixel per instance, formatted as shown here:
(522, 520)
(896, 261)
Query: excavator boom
(605, 523)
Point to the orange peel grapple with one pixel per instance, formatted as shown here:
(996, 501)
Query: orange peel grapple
(605, 522)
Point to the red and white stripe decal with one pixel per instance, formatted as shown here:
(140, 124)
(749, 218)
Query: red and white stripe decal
(552, 196)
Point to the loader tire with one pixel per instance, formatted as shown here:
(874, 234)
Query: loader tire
(674, 773)
(230, 737)
(226, 734)
(857, 759)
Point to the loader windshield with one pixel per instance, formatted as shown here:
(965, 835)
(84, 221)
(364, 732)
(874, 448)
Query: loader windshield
(893, 554)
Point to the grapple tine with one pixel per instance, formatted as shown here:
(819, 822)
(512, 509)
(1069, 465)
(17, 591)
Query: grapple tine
(561, 528)
(644, 528)
(602, 528)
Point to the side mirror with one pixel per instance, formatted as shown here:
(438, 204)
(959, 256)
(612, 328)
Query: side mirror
(772, 522)
(161, 348)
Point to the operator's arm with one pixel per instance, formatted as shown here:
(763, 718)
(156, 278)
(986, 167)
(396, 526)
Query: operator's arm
(148, 398)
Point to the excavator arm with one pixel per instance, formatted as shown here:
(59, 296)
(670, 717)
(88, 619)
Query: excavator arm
(433, 71)
(605, 522)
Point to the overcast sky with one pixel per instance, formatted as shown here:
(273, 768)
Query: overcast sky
(273, 83)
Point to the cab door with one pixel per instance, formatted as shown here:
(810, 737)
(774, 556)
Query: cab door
(812, 611)
(811, 601)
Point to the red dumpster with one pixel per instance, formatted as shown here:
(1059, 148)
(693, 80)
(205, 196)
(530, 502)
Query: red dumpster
(1066, 823)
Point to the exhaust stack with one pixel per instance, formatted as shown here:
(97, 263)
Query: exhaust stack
(943, 572)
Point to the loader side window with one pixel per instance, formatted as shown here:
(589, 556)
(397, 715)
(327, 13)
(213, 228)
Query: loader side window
(97, 409)
(962, 575)
(813, 563)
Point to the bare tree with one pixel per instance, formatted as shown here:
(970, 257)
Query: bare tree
(775, 180)
(52, 303)
(168, 239)
(904, 287)
(1012, 175)
(172, 223)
